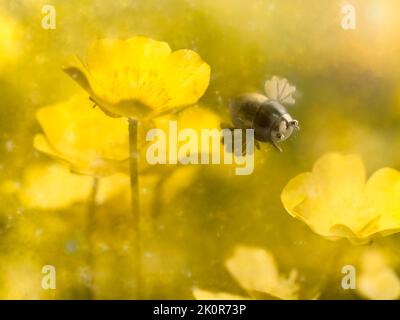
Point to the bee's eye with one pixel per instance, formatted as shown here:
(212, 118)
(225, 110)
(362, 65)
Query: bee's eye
(279, 135)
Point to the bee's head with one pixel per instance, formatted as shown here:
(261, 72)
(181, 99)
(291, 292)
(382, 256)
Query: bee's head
(283, 129)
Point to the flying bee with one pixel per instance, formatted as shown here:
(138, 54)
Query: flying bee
(265, 114)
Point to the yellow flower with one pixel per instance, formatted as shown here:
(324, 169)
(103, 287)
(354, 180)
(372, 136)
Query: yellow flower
(377, 280)
(256, 271)
(336, 201)
(87, 140)
(140, 77)
(52, 186)
(91, 143)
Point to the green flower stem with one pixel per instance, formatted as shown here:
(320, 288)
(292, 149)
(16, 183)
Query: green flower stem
(133, 165)
(90, 227)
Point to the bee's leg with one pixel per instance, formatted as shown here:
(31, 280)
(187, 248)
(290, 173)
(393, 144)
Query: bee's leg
(244, 147)
(276, 146)
(245, 142)
(224, 125)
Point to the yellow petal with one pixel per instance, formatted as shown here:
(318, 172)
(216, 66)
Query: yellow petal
(41, 144)
(383, 285)
(140, 77)
(256, 270)
(83, 137)
(123, 66)
(383, 195)
(78, 71)
(331, 199)
(337, 186)
(198, 119)
(53, 187)
(377, 280)
(9, 187)
(188, 77)
(128, 74)
(75, 127)
(295, 192)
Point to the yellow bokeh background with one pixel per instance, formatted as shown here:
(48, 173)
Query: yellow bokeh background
(348, 101)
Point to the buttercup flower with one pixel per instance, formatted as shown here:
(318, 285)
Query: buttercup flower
(91, 143)
(140, 77)
(52, 186)
(256, 272)
(336, 201)
(87, 140)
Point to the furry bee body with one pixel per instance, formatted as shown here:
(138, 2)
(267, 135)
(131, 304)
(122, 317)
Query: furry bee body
(269, 119)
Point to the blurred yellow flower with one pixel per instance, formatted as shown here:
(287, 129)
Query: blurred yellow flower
(336, 201)
(91, 143)
(377, 280)
(87, 140)
(140, 77)
(256, 271)
(52, 186)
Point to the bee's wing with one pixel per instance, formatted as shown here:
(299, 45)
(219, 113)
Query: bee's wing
(280, 90)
